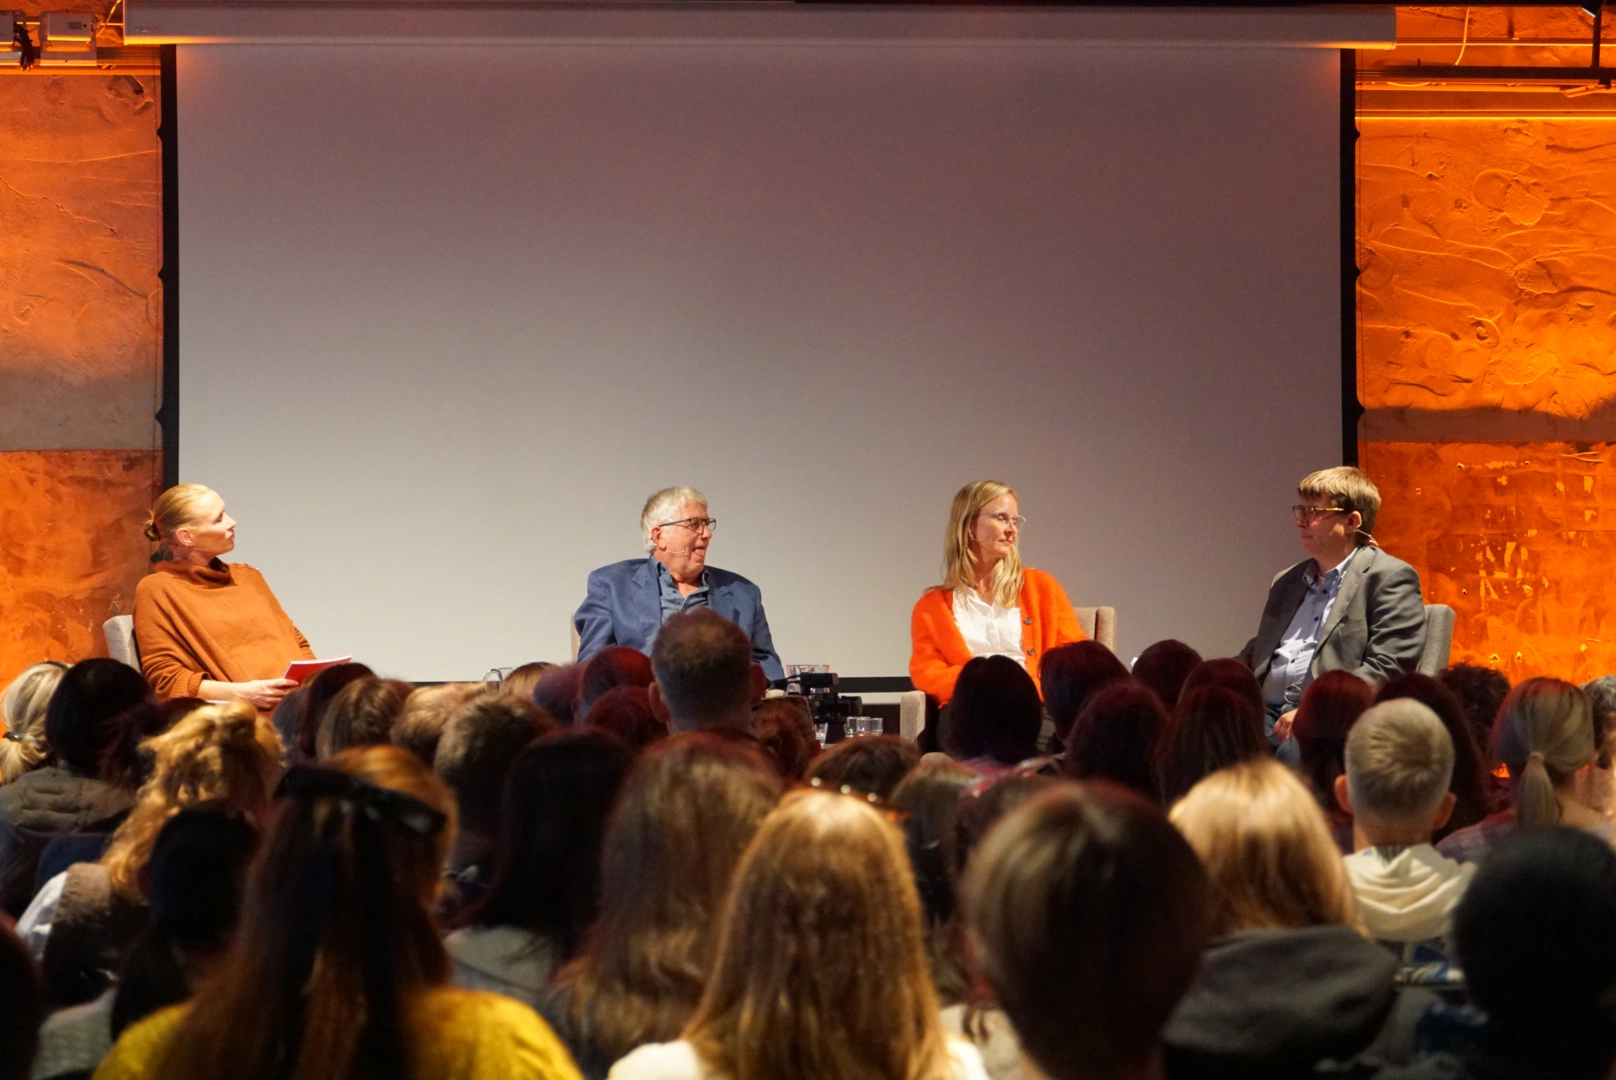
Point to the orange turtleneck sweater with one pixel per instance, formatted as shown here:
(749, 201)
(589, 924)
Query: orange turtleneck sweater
(217, 622)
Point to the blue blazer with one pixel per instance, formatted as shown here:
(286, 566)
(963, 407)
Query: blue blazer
(623, 607)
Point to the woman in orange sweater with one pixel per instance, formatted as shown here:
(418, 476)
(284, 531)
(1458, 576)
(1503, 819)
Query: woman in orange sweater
(988, 603)
(208, 628)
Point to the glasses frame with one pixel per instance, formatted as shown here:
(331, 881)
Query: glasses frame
(695, 525)
(1309, 514)
(1003, 518)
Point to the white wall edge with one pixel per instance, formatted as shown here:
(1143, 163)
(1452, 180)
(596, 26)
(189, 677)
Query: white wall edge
(304, 22)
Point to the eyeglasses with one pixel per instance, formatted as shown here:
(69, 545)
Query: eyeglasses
(695, 525)
(1007, 521)
(1307, 515)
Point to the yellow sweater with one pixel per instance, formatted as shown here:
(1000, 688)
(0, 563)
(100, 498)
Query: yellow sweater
(457, 1035)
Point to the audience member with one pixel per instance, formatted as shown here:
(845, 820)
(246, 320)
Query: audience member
(705, 675)
(318, 694)
(478, 745)
(524, 679)
(24, 1007)
(871, 764)
(288, 719)
(1543, 736)
(557, 691)
(194, 880)
(929, 797)
(1115, 736)
(546, 876)
(83, 922)
(1288, 980)
(1212, 728)
(22, 708)
(1069, 675)
(1481, 691)
(1164, 667)
(1399, 761)
(684, 816)
(1089, 912)
(362, 714)
(1596, 785)
(613, 666)
(420, 724)
(1472, 793)
(1228, 673)
(1536, 932)
(785, 726)
(337, 970)
(81, 721)
(993, 719)
(626, 713)
(1330, 705)
(824, 879)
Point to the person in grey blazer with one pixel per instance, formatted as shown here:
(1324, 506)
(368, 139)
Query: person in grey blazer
(627, 602)
(1349, 606)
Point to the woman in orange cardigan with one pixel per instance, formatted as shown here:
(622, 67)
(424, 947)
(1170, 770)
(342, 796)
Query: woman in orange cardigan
(988, 603)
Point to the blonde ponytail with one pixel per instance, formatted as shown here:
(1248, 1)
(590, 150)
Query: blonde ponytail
(1544, 734)
(1535, 801)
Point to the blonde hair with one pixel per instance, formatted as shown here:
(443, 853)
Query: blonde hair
(1544, 734)
(23, 709)
(825, 879)
(219, 754)
(959, 563)
(1352, 490)
(1267, 850)
(174, 509)
(660, 505)
(1399, 761)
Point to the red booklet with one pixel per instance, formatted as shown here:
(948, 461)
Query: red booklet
(299, 670)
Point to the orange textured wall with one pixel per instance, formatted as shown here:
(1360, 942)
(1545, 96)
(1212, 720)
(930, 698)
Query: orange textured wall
(80, 355)
(1487, 359)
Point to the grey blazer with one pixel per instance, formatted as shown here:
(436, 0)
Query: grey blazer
(1376, 627)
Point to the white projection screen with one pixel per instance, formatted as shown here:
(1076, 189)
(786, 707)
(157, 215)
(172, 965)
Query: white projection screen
(450, 313)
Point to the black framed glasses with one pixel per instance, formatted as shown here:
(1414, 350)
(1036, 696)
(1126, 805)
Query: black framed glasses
(1307, 515)
(695, 525)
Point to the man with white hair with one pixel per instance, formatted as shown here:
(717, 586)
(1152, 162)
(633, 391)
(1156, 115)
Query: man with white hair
(627, 602)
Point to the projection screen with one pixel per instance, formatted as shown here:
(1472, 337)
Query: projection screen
(450, 313)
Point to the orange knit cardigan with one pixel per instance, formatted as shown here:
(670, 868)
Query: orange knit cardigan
(939, 651)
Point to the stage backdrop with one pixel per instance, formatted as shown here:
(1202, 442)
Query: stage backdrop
(450, 313)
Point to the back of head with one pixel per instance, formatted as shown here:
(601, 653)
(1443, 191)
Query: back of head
(362, 714)
(524, 679)
(625, 712)
(824, 879)
(226, 756)
(703, 667)
(872, 764)
(1212, 728)
(1399, 760)
(24, 1010)
(336, 933)
(558, 795)
(420, 723)
(1602, 698)
(685, 814)
(1090, 913)
(983, 806)
(22, 707)
(995, 712)
(1228, 673)
(556, 692)
(1544, 734)
(1480, 692)
(613, 666)
(785, 727)
(1536, 932)
(479, 743)
(81, 719)
(1072, 672)
(1164, 666)
(1330, 706)
(1349, 489)
(318, 694)
(930, 797)
(1469, 784)
(1267, 850)
(1115, 737)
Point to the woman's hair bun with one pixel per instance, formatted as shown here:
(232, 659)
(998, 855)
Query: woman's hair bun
(151, 531)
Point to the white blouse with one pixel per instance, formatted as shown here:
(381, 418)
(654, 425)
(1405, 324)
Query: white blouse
(988, 629)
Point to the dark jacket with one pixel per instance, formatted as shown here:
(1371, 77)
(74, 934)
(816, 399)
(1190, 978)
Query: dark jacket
(1277, 1003)
(38, 806)
(91, 936)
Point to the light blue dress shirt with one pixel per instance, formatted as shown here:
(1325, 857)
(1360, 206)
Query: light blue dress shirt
(1294, 657)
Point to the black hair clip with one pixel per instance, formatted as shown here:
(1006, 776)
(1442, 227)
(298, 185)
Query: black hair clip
(377, 803)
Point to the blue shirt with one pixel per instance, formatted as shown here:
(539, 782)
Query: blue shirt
(1294, 657)
(673, 602)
